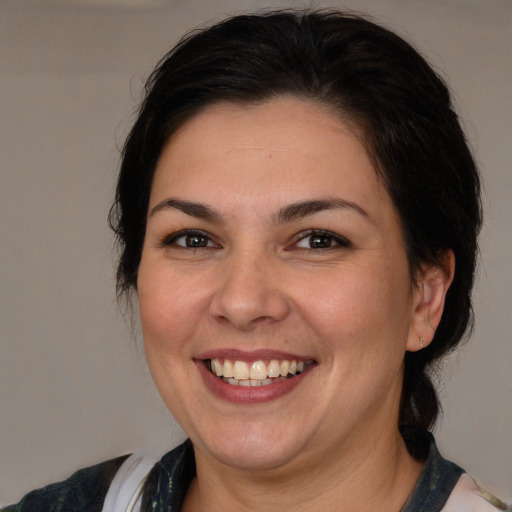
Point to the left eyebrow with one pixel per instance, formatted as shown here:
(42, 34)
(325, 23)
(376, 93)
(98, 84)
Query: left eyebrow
(296, 211)
(198, 210)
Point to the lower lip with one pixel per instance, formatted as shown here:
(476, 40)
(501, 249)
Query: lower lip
(252, 394)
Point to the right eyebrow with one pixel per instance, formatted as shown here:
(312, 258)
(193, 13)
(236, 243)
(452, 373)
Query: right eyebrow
(296, 211)
(198, 210)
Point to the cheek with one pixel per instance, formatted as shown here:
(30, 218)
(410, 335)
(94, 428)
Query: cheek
(345, 301)
(167, 306)
(167, 328)
(358, 310)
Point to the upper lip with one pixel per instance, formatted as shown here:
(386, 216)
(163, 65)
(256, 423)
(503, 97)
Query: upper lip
(248, 356)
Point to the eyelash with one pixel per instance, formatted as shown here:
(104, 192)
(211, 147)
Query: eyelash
(338, 240)
(170, 240)
(332, 238)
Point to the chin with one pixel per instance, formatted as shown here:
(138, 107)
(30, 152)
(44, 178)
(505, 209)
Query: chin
(251, 447)
(254, 456)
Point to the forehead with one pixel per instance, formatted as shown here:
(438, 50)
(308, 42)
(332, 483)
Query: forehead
(251, 164)
(264, 155)
(263, 122)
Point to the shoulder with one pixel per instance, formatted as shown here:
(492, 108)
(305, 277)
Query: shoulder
(444, 486)
(84, 491)
(468, 496)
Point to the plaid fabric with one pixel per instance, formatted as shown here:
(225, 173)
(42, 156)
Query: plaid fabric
(84, 491)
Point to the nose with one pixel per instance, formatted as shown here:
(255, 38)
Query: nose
(249, 294)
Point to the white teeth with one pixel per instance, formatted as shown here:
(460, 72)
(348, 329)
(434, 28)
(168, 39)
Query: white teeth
(227, 369)
(217, 368)
(258, 370)
(241, 370)
(257, 373)
(250, 383)
(274, 369)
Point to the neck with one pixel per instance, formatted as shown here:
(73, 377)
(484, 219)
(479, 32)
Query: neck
(364, 477)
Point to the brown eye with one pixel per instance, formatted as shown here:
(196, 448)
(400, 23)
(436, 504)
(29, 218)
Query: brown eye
(196, 241)
(320, 241)
(189, 239)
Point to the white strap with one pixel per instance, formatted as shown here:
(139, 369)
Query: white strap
(468, 496)
(125, 492)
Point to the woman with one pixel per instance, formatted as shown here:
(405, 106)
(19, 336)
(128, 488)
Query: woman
(297, 211)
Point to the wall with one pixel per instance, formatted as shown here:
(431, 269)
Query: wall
(73, 385)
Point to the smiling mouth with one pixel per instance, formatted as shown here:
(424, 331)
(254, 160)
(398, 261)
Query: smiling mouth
(257, 373)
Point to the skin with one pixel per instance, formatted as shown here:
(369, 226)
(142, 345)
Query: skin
(332, 442)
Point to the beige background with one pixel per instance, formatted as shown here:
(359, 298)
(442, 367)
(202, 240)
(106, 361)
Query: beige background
(73, 385)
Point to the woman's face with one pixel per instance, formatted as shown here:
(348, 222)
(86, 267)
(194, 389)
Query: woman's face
(272, 246)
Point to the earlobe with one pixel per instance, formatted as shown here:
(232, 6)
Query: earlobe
(428, 301)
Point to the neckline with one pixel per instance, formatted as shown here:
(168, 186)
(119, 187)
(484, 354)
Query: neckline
(170, 478)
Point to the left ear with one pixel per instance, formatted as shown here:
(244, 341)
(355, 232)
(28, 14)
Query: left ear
(429, 295)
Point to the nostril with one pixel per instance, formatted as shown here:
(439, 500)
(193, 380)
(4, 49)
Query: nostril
(250, 309)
